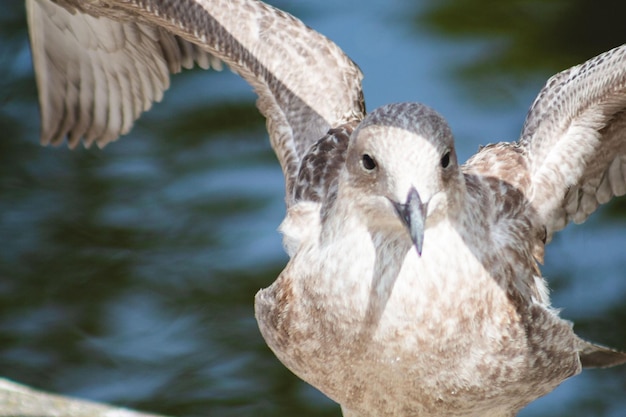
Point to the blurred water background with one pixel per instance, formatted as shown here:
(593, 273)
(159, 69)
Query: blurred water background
(127, 275)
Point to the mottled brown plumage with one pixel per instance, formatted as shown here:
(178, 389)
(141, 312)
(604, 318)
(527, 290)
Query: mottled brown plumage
(413, 287)
(465, 329)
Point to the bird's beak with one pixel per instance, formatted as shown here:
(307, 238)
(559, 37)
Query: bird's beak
(413, 215)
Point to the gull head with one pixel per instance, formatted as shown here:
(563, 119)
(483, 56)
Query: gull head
(402, 170)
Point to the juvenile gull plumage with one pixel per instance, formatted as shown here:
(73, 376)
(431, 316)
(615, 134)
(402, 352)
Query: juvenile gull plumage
(413, 286)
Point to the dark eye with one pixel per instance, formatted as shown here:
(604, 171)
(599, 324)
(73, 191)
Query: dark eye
(368, 162)
(445, 160)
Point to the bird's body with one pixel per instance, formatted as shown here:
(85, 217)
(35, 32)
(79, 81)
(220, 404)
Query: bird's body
(459, 330)
(437, 333)
(413, 287)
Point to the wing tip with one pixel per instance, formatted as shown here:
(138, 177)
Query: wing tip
(593, 355)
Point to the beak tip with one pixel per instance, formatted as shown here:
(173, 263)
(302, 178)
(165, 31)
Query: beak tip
(418, 247)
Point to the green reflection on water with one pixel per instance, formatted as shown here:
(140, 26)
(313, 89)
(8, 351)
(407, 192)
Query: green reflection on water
(525, 38)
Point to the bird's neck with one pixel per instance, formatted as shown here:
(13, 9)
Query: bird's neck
(371, 262)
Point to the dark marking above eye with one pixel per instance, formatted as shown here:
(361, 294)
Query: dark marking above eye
(368, 162)
(445, 160)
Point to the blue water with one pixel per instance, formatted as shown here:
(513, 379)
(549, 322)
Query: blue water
(127, 275)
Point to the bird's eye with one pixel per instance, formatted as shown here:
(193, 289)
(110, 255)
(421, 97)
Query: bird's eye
(445, 160)
(368, 162)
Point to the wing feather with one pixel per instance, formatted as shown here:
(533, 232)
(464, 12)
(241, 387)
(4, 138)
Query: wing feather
(305, 83)
(97, 75)
(575, 137)
(572, 145)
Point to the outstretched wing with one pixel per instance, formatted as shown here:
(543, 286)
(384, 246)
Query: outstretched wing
(305, 83)
(571, 156)
(575, 137)
(96, 75)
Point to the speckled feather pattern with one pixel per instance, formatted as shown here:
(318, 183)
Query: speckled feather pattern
(463, 329)
(574, 139)
(320, 167)
(257, 41)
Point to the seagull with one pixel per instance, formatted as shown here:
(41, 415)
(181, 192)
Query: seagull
(413, 286)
